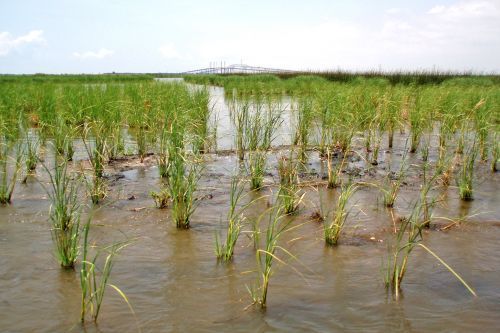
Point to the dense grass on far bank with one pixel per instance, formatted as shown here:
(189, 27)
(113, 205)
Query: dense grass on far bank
(76, 78)
(393, 78)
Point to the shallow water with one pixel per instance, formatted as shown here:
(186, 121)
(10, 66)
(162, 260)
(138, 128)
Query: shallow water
(175, 284)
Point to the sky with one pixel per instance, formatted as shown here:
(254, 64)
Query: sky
(92, 36)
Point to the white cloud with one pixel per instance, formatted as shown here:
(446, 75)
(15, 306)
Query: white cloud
(169, 51)
(439, 9)
(472, 9)
(393, 11)
(9, 43)
(409, 40)
(100, 54)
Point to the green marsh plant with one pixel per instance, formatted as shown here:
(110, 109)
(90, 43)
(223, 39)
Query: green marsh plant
(9, 169)
(256, 167)
(390, 189)
(427, 201)
(239, 116)
(272, 121)
(162, 156)
(466, 174)
(98, 158)
(335, 172)
(94, 280)
(63, 138)
(182, 184)
(332, 229)
(161, 198)
(64, 214)
(409, 236)
(235, 221)
(32, 145)
(495, 154)
(288, 194)
(277, 225)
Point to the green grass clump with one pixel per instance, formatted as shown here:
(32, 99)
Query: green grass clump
(390, 189)
(9, 169)
(94, 280)
(161, 198)
(181, 185)
(239, 117)
(408, 236)
(235, 220)
(32, 145)
(266, 255)
(466, 174)
(288, 194)
(256, 167)
(64, 214)
(332, 229)
(495, 154)
(335, 172)
(97, 152)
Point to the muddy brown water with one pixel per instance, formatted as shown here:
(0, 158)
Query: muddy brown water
(175, 284)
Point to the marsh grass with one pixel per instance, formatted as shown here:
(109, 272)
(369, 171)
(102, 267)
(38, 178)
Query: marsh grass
(277, 225)
(142, 139)
(335, 172)
(93, 280)
(466, 174)
(213, 131)
(288, 194)
(97, 188)
(376, 147)
(32, 145)
(461, 139)
(182, 184)
(235, 221)
(495, 154)
(427, 201)
(304, 118)
(482, 123)
(253, 130)
(332, 229)
(255, 124)
(64, 214)
(408, 236)
(417, 121)
(10, 165)
(161, 198)
(272, 121)
(392, 185)
(162, 156)
(116, 146)
(63, 138)
(97, 153)
(425, 147)
(239, 116)
(256, 167)
(446, 164)
(200, 114)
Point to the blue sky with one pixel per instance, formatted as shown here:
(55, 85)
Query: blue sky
(168, 36)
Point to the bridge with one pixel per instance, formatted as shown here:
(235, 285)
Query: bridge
(237, 69)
